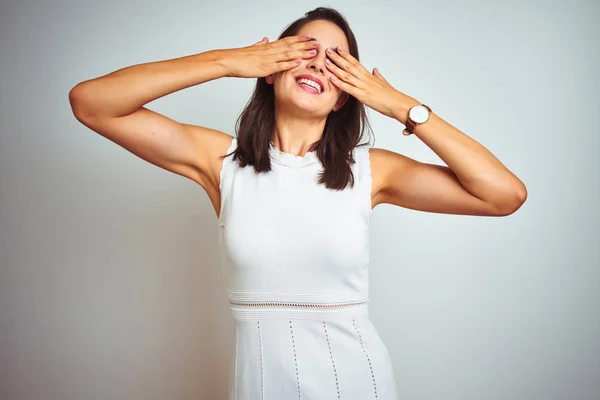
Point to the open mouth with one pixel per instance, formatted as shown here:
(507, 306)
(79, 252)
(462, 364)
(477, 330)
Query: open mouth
(310, 85)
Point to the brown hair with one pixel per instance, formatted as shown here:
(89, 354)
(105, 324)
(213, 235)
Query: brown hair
(343, 130)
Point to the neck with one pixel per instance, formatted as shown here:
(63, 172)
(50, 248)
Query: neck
(294, 134)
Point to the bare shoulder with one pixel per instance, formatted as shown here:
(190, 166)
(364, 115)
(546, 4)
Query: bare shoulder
(212, 144)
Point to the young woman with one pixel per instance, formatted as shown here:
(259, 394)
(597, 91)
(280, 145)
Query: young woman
(295, 193)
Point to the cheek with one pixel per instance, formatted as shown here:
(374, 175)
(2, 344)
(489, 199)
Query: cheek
(284, 78)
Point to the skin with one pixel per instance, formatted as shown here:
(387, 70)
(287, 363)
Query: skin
(300, 116)
(472, 181)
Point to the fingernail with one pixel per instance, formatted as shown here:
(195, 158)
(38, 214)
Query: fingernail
(307, 36)
(340, 49)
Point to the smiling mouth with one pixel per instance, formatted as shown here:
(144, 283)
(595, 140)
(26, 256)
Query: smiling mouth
(309, 85)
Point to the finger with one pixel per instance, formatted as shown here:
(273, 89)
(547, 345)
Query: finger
(263, 41)
(347, 62)
(345, 87)
(337, 59)
(291, 40)
(290, 48)
(343, 75)
(289, 55)
(378, 75)
(346, 55)
(303, 44)
(311, 44)
(285, 65)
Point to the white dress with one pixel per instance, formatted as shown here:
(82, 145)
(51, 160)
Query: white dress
(296, 260)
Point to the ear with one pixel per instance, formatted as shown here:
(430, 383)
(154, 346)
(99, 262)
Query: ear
(341, 101)
(270, 79)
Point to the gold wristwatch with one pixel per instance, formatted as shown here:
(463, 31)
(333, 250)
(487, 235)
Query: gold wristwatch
(417, 115)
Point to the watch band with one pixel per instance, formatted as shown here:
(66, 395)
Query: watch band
(411, 125)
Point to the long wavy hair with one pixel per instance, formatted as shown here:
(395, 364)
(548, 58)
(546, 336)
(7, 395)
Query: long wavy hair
(344, 128)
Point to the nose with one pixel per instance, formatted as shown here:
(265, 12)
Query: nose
(317, 67)
(317, 63)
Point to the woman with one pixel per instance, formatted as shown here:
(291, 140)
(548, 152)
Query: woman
(294, 195)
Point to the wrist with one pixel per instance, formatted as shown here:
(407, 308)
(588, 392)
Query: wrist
(403, 105)
(223, 61)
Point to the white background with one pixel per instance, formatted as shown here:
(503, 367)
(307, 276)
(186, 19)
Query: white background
(110, 285)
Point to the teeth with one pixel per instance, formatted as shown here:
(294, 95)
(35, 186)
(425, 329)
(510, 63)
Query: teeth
(310, 83)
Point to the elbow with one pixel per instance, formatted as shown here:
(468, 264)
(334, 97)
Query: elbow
(520, 195)
(75, 100)
(78, 103)
(513, 201)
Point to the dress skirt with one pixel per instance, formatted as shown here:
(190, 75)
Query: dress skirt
(285, 353)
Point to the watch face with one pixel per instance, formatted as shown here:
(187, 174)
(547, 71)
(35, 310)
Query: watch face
(419, 114)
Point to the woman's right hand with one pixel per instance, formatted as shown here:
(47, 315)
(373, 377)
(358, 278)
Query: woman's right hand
(263, 58)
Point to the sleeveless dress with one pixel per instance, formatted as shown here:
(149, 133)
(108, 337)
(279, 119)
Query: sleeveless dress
(296, 261)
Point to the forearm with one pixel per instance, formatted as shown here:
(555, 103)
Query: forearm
(126, 90)
(478, 170)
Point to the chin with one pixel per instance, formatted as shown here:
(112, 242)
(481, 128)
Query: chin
(311, 109)
(308, 104)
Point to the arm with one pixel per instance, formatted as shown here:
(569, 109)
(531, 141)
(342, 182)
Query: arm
(475, 182)
(112, 105)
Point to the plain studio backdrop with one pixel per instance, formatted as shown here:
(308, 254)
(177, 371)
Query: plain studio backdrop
(110, 283)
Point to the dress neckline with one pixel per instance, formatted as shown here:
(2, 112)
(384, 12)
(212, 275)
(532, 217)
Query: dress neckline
(292, 160)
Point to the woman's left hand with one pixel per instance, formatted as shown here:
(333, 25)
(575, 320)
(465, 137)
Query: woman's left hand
(371, 89)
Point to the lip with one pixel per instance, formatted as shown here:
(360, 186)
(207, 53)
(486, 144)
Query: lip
(312, 78)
